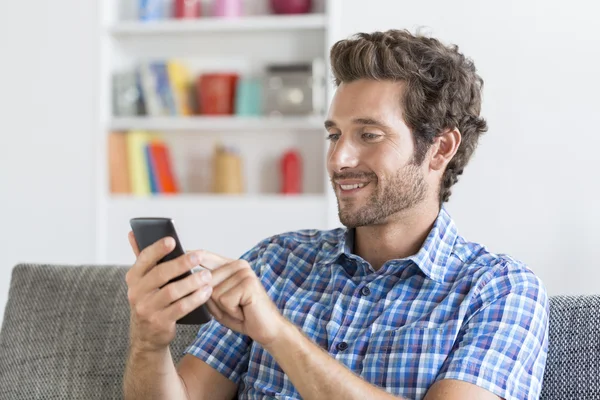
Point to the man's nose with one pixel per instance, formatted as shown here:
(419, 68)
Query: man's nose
(343, 154)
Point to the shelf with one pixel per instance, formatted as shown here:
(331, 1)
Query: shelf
(218, 204)
(213, 24)
(217, 123)
(227, 225)
(193, 199)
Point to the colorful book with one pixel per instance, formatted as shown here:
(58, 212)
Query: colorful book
(179, 77)
(152, 173)
(163, 88)
(138, 168)
(149, 84)
(162, 167)
(118, 164)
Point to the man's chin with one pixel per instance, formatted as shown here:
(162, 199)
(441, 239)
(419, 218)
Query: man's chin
(347, 218)
(351, 219)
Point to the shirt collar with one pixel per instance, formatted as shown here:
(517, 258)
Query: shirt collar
(432, 258)
(434, 255)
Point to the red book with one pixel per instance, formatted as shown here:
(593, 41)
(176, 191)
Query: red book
(161, 159)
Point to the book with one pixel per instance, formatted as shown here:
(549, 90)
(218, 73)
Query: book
(163, 88)
(149, 85)
(139, 177)
(162, 167)
(118, 164)
(152, 174)
(179, 78)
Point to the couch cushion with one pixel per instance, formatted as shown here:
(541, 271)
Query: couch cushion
(65, 333)
(573, 366)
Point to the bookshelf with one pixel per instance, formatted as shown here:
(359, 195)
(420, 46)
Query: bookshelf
(203, 124)
(247, 24)
(228, 224)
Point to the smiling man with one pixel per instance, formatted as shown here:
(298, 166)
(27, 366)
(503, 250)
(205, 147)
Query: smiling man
(397, 304)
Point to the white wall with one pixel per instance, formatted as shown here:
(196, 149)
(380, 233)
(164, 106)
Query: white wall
(47, 71)
(532, 189)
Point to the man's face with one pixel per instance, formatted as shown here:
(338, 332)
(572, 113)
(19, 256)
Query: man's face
(370, 157)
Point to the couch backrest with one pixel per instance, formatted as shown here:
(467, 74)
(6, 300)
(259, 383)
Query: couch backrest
(65, 333)
(65, 336)
(573, 365)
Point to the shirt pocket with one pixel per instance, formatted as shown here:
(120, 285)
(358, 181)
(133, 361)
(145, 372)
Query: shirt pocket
(406, 361)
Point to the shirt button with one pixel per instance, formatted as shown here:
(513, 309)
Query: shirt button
(365, 291)
(341, 346)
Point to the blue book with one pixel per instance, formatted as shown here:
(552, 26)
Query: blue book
(163, 88)
(151, 170)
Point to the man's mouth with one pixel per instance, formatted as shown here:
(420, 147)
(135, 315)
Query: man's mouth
(351, 187)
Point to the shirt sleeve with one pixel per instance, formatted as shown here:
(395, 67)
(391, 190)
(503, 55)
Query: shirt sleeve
(503, 345)
(223, 349)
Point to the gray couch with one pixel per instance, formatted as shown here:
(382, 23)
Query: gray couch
(65, 336)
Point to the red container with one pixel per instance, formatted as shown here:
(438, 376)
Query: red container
(291, 173)
(188, 9)
(216, 93)
(291, 6)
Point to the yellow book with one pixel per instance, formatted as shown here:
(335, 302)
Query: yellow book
(179, 78)
(138, 167)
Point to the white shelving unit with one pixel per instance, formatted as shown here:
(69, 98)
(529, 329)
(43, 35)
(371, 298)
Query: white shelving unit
(226, 224)
(213, 25)
(204, 124)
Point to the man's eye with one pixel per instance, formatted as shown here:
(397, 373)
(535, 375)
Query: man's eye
(370, 136)
(333, 136)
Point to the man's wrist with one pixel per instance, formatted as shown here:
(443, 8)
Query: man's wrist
(139, 348)
(286, 334)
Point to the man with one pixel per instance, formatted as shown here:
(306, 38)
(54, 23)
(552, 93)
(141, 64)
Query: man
(397, 304)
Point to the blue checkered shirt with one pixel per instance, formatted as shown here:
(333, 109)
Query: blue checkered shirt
(451, 311)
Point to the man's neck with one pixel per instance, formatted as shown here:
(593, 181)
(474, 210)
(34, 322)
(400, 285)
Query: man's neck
(401, 237)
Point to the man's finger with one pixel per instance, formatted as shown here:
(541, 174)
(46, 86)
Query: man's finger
(222, 286)
(226, 271)
(169, 270)
(211, 260)
(184, 306)
(151, 255)
(222, 315)
(133, 244)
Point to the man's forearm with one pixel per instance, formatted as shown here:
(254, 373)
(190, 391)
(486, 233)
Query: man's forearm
(152, 375)
(315, 374)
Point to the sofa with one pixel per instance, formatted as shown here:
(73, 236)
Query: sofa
(65, 336)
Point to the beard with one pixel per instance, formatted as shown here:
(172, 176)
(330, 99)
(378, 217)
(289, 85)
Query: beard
(406, 189)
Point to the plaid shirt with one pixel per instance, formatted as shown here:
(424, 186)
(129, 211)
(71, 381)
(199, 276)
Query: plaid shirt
(451, 311)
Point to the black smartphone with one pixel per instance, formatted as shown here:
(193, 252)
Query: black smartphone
(149, 230)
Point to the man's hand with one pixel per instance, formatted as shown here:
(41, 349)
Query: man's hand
(239, 301)
(154, 308)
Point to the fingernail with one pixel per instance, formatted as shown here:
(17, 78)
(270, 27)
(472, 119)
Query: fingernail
(168, 241)
(205, 275)
(193, 258)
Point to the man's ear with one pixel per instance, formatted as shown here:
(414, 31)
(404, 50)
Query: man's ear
(444, 147)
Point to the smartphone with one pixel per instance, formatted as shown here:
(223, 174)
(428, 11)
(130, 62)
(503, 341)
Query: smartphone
(148, 231)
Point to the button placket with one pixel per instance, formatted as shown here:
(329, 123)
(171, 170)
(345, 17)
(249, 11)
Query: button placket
(342, 346)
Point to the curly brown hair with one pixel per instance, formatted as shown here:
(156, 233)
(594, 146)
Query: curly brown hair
(442, 88)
